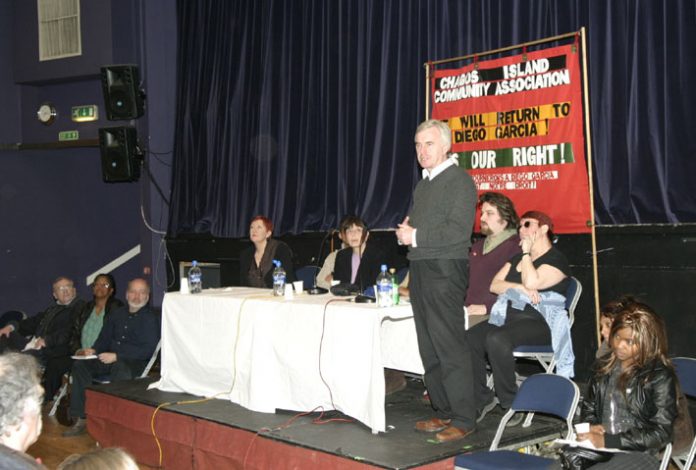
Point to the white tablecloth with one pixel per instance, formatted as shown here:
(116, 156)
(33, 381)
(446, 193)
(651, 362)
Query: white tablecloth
(267, 353)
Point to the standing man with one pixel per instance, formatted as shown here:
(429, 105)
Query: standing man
(123, 348)
(438, 233)
(20, 410)
(499, 223)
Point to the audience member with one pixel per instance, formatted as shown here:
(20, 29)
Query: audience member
(631, 400)
(125, 344)
(86, 327)
(111, 458)
(438, 234)
(20, 410)
(404, 291)
(256, 262)
(359, 263)
(46, 335)
(488, 255)
(530, 310)
(606, 319)
(325, 275)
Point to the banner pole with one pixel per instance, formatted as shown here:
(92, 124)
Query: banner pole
(427, 89)
(588, 140)
(503, 49)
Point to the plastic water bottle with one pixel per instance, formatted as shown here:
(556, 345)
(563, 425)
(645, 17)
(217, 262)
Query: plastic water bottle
(278, 279)
(384, 288)
(195, 278)
(395, 286)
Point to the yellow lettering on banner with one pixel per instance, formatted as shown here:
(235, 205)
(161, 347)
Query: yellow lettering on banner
(518, 115)
(514, 116)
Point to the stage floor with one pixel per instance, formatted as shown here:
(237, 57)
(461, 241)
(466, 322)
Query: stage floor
(399, 448)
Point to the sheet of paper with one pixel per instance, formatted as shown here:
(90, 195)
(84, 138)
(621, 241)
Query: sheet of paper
(31, 344)
(587, 444)
(82, 358)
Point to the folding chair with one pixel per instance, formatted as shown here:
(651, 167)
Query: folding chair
(152, 360)
(62, 391)
(543, 393)
(686, 373)
(544, 354)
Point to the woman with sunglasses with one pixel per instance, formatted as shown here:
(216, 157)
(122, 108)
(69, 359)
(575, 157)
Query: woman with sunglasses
(531, 290)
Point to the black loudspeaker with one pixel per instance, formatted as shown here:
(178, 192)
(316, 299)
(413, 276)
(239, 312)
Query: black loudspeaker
(120, 155)
(122, 95)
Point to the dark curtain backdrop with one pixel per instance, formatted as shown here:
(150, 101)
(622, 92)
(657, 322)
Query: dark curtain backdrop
(304, 110)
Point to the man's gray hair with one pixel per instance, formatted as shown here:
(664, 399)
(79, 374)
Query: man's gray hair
(20, 389)
(444, 129)
(63, 278)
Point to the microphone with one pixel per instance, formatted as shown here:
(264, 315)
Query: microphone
(361, 298)
(314, 290)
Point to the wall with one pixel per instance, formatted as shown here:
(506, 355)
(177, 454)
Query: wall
(60, 218)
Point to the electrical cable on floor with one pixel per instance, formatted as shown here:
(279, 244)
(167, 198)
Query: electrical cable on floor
(206, 399)
(317, 420)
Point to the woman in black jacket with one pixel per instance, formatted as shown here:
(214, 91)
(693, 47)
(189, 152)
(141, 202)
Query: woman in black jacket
(256, 262)
(631, 401)
(95, 311)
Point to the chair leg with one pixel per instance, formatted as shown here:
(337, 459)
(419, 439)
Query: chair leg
(61, 394)
(528, 420)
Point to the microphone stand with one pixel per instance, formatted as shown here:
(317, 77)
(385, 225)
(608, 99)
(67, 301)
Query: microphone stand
(361, 298)
(320, 290)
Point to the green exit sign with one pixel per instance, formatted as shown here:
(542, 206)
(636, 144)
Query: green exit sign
(68, 135)
(88, 112)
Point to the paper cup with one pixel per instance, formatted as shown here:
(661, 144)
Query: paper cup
(299, 287)
(288, 292)
(183, 286)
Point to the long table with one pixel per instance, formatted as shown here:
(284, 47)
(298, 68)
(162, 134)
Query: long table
(267, 353)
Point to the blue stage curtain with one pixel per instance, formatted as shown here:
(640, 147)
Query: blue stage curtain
(304, 110)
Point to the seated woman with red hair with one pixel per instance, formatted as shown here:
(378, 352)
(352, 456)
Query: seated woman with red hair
(256, 262)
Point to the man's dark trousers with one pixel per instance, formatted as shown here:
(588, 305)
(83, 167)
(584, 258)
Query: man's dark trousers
(85, 371)
(438, 288)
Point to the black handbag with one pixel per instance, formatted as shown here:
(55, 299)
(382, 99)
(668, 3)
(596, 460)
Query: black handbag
(579, 458)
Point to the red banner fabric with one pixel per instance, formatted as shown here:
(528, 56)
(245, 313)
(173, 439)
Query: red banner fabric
(517, 126)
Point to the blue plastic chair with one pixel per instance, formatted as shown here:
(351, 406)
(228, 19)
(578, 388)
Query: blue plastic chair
(401, 274)
(540, 393)
(544, 354)
(307, 274)
(686, 373)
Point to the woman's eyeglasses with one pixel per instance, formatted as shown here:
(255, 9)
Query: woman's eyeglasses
(106, 285)
(527, 223)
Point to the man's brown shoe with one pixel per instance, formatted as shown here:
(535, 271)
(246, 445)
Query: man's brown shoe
(452, 433)
(432, 425)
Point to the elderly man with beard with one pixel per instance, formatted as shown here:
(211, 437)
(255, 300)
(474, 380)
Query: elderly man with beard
(123, 348)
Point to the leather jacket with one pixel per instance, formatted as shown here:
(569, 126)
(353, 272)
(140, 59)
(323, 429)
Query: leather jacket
(652, 404)
(81, 319)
